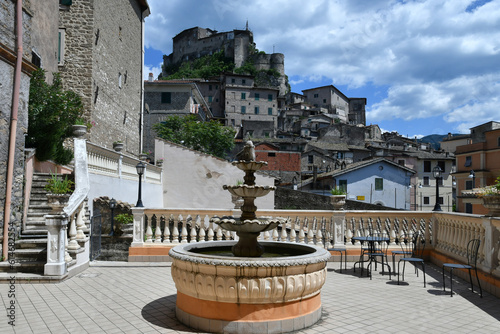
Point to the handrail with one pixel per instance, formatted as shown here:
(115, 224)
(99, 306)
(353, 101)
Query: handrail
(82, 182)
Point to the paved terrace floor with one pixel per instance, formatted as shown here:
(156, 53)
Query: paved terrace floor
(140, 298)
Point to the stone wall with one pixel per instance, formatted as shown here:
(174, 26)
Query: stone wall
(103, 64)
(7, 65)
(285, 198)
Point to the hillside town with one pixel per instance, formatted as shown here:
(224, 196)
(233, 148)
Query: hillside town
(316, 144)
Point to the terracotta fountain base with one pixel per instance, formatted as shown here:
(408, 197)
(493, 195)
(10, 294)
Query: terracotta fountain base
(275, 294)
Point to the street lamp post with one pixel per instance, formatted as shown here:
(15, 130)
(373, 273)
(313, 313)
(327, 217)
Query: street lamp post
(140, 171)
(112, 206)
(437, 172)
(472, 175)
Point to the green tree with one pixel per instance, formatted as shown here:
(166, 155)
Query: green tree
(51, 113)
(210, 137)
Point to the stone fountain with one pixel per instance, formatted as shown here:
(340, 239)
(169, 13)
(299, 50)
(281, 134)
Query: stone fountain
(247, 286)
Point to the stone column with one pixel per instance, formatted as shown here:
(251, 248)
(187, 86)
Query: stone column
(138, 234)
(56, 224)
(338, 229)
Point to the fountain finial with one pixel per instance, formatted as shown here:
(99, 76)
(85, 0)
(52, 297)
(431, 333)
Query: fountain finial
(247, 153)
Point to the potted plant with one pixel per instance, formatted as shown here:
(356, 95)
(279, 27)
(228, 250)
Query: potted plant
(144, 155)
(338, 198)
(118, 146)
(79, 128)
(123, 219)
(491, 198)
(59, 191)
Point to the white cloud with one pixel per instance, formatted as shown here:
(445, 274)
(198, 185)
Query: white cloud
(433, 56)
(156, 70)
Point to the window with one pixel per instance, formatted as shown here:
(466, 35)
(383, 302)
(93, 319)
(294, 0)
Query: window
(257, 96)
(468, 161)
(343, 185)
(324, 100)
(209, 99)
(271, 154)
(340, 155)
(243, 81)
(440, 200)
(269, 111)
(256, 110)
(243, 109)
(209, 87)
(442, 165)
(401, 162)
(427, 166)
(232, 122)
(379, 183)
(316, 95)
(468, 207)
(426, 200)
(233, 80)
(310, 159)
(266, 134)
(250, 133)
(166, 97)
(426, 180)
(270, 98)
(60, 46)
(36, 59)
(243, 96)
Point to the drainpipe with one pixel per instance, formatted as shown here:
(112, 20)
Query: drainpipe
(13, 126)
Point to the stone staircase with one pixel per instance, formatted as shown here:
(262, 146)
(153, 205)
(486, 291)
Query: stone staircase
(31, 245)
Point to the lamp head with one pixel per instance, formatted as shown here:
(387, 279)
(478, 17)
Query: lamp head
(437, 172)
(140, 168)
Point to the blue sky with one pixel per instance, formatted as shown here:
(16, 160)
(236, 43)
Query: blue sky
(425, 67)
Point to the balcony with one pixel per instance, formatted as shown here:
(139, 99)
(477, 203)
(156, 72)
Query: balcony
(446, 234)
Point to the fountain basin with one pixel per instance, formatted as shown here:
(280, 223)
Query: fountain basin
(218, 292)
(249, 191)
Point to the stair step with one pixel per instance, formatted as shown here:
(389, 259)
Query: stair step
(31, 242)
(30, 251)
(33, 231)
(25, 267)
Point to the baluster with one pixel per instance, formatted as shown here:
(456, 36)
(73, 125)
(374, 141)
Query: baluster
(80, 225)
(219, 233)
(328, 228)
(210, 232)
(265, 235)
(302, 235)
(149, 230)
(158, 229)
(319, 238)
(183, 234)
(73, 244)
(348, 231)
(166, 231)
(284, 234)
(293, 234)
(392, 233)
(175, 232)
(310, 233)
(227, 234)
(275, 235)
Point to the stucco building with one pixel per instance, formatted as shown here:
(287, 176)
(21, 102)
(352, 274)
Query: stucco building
(478, 165)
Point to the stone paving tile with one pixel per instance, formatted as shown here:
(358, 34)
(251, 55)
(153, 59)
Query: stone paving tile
(141, 299)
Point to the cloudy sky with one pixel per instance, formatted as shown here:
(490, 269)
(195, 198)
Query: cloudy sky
(428, 66)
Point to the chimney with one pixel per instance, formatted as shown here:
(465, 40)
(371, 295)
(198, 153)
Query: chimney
(150, 77)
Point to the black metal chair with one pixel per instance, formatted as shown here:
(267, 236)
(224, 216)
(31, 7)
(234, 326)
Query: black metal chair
(379, 251)
(343, 255)
(416, 248)
(472, 250)
(404, 239)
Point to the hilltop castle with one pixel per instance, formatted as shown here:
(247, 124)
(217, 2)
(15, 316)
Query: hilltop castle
(197, 42)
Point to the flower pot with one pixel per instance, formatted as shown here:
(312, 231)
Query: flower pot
(118, 147)
(79, 130)
(338, 201)
(492, 203)
(143, 157)
(57, 202)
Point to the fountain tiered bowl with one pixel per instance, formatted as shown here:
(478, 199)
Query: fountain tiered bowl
(247, 286)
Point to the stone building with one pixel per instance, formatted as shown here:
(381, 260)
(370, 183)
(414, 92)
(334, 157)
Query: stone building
(101, 59)
(197, 42)
(164, 98)
(283, 165)
(11, 195)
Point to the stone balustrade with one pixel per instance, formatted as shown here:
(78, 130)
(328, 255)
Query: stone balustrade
(446, 233)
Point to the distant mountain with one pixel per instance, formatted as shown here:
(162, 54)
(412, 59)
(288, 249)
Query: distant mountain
(435, 139)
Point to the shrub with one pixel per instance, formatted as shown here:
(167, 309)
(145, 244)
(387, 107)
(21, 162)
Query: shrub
(56, 185)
